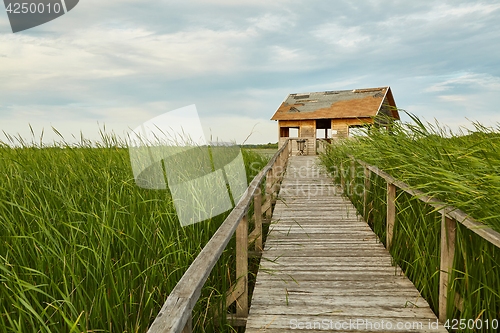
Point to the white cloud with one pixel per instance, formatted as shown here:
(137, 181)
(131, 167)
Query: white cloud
(270, 22)
(453, 98)
(345, 37)
(103, 53)
(447, 11)
(469, 80)
(284, 55)
(241, 3)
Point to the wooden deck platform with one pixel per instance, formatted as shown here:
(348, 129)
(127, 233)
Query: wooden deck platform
(323, 268)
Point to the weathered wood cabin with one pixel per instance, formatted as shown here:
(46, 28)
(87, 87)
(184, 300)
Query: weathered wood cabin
(322, 116)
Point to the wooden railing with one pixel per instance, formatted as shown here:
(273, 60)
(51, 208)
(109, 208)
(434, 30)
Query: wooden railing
(175, 315)
(294, 146)
(450, 217)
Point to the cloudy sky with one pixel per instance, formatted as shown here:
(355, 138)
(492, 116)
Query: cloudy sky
(119, 63)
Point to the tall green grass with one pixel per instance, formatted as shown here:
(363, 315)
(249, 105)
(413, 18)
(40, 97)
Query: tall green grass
(459, 169)
(83, 249)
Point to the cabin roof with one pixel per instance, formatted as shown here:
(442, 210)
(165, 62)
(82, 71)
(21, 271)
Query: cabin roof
(357, 103)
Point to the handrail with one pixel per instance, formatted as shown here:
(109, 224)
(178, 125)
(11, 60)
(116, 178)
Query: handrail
(470, 223)
(175, 314)
(450, 216)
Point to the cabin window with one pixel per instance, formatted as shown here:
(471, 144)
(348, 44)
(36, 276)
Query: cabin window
(289, 132)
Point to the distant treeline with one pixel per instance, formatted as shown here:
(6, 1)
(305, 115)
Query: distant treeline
(261, 146)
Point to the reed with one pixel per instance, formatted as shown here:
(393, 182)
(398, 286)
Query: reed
(84, 249)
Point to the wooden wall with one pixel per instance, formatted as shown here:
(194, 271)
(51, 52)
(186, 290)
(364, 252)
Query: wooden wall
(342, 125)
(307, 130)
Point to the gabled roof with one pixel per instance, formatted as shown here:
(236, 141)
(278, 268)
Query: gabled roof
(357, 103)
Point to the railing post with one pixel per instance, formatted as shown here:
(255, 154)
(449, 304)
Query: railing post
(276, 173)
(284, 161)
(279, 176)
(366, 188)
(257, 207)
(269, 190)
(242, 267)
(391, 213)
(448, 239)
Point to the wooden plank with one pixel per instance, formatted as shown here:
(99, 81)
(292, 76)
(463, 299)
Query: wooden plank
(253, 236)
(300, 229)
(341, 268)
(330, 261)
(336, 286)
(448, 239)
(344, 242)
(266, 207)
(235, 292)
(269, 193)
(257, 199)
(354, 311)
(299, 277)
(480, 229)
(329, 302)
(299, 291)
(242, 267)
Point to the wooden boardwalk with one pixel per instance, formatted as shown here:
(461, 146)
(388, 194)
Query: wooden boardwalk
(323, 268)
